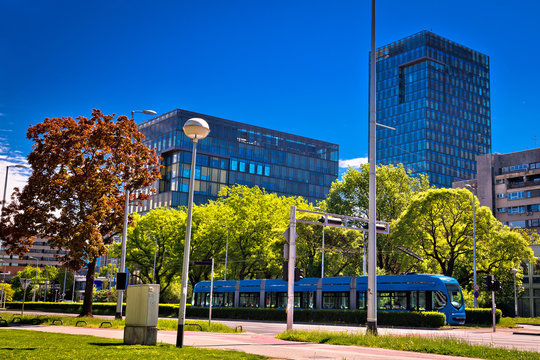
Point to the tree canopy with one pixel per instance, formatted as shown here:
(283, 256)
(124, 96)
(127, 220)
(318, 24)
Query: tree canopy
(74, 197)
(438, 225)
(395, 189)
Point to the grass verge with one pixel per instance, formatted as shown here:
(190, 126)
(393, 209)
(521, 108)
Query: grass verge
(435, 345)
(24, 344)
(509, 321)
(95, 322)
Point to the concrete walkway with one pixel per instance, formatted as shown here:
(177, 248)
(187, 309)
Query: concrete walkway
(254, 344)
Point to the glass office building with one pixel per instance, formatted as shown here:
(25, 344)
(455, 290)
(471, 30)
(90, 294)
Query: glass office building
(436, 94)
(236, 153)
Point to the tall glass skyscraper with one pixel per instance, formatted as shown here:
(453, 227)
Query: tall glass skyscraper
(236, 153)
(436, 94)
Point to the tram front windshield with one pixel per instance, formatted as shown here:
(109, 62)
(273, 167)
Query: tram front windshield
(456, 297)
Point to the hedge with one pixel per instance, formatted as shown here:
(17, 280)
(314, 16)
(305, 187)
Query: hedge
(388, 318)
(482, 316)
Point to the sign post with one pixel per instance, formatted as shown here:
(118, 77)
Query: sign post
(24, 284)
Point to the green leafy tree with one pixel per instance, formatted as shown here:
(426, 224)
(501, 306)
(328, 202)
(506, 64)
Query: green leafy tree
(75, 195)
(164, 227)
(8, 291)
(395, 190)
(438, 225)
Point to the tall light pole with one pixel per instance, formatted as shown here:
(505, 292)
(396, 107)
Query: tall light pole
(124, 231)
(372, 235)
(226, 251)
(474, 244)
(155, 255)
(5, 185)
(196, 129)
(35, 282)
(514, 272)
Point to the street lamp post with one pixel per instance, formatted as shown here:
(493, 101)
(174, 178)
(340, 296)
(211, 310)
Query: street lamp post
(5, 185)
(474, 243)
(196, 129)
(155, 255)
(372, 212)
(226, 251)
(35, 282)
(124, 231)
(514, 272)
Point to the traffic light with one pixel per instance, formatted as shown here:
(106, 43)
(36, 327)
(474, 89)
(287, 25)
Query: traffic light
(298, 274)
(488, 281)
(285, 275)
(496, 285)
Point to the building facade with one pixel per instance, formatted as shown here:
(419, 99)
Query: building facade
(236, 153)
(509, 184)
(436, 94)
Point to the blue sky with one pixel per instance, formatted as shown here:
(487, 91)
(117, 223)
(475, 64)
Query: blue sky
(297, 66)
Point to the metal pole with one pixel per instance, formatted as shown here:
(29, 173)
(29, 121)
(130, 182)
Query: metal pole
(364, 271)
(35, 282)
(155, 254)
(290, 270)
(372, 246)
(64, 287)
(120, 293)
(493, 306)
(185, 270)
(5, 188)
(515, 297)
(211, 295)
(474, 248)
(47, 282)
(73, 293)
(322, 262)
(226, 254)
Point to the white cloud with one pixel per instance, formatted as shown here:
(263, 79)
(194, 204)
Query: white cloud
(354, 163)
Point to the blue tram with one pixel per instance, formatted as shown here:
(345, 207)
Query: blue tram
(395, 293)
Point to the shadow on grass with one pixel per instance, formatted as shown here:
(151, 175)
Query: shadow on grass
(10, 348)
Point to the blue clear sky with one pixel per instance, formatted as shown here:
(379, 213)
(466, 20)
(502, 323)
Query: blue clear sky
(297, 66)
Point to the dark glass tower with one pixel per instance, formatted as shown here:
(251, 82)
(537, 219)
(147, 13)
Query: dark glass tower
(236, 153)
(436, 94)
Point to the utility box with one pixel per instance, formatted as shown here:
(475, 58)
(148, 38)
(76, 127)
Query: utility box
(142, 308)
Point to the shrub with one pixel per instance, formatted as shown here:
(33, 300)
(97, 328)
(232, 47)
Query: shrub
(481, 316)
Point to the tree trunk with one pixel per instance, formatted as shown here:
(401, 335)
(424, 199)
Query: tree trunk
(89, 289)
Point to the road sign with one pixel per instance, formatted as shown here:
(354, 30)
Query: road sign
(476, 294)
(25, 282)
(203, 262)
(476, 287)
(286, 235)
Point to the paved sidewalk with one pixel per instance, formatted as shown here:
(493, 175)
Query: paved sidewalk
(256, 344)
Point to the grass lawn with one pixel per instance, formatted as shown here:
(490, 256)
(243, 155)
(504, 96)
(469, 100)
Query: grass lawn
(25, 344)
(443, 346)
(116, 324)
(509, 321)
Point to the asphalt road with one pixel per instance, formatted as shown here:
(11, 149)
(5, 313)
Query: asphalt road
(527, 337)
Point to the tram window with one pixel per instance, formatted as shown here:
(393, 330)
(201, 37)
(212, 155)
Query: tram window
(361, 299)
(456, 298)
(223, 299)
(396, 300)
(276, 299)
(306, 300)
(418, 301)
(202, 299)
(335, 300)
(438, 300)
(249, 299)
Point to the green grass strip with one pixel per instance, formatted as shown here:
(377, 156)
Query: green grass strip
(95, 322)
(24, 345)
(430, 345)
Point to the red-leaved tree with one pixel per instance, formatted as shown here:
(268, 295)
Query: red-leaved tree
(74, 197)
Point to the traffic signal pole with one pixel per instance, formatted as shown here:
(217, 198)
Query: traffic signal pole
(290, 268)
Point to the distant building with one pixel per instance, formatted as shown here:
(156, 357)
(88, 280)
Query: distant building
(236, 153)
(41, 254)
(436, 93)
(509, 184)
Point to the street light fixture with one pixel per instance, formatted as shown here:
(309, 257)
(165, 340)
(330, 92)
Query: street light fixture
(5, 185)
(124, 231)
(195, 129)
(471, 188)
(226, 251)
(514, 272)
